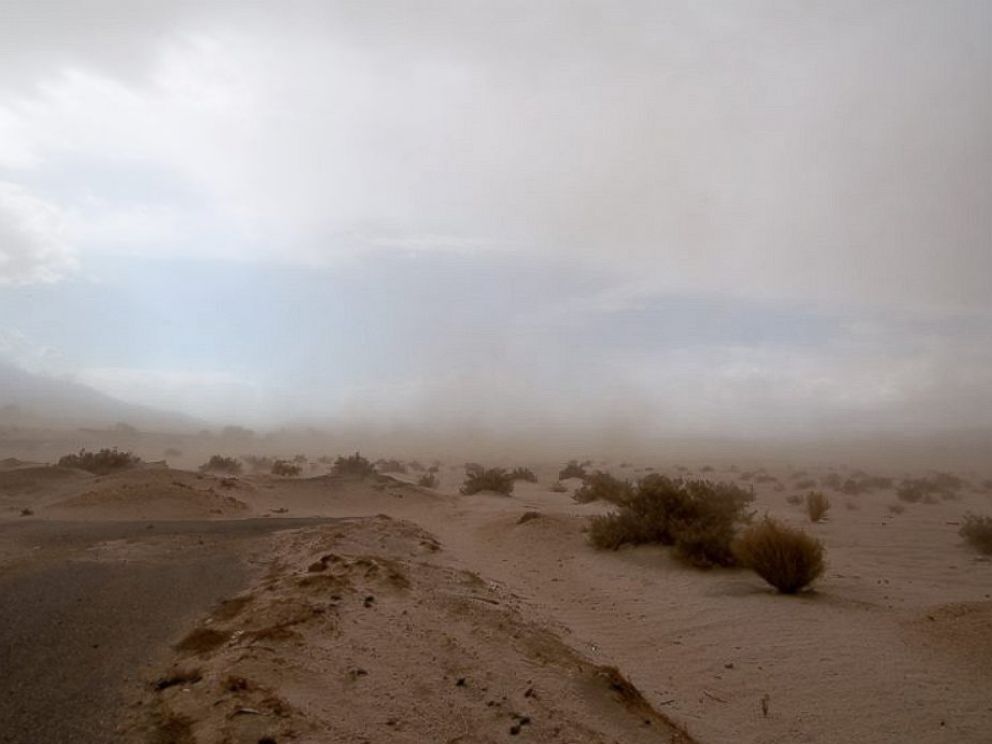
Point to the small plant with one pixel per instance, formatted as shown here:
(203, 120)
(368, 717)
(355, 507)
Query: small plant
(286, 468)
(785, 557)
(428, 480)
(795, 499)
(221, 464)
(978, 532)
(390, 466)
(524, 474)
(572, 470)
(353, 465)
(558, 487)
(478, 479)
(602, 486)
(698, 518)
(99, 463)
(817, 506)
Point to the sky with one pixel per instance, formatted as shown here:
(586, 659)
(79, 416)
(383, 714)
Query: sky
(735, 218)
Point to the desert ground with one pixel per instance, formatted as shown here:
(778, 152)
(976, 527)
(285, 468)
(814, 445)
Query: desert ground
(159, 604)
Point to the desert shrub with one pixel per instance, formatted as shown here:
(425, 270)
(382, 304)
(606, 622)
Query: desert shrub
(746, 476)
(284, 467)
(416, 466)
(603, 487)
(706, 469)
(300, 459)
(558, 487)
(100, 463)
(896, 508)
(795, 499)
(978, 532)
(806, 484)
(698, 517)
(524, 474)
(851, 487)
(480, 479)
(221, 464)
(817, 505)
(259, 463)
(785, 557)
(390, 466)
(572, 469)
(428, 480)
(352, 465)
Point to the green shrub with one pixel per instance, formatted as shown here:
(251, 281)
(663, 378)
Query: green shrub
(697, 517)
(286, 468)
(572, 470)
(817, 506)
(602, 486)
(221, 464)
(524, 474)
(978, 532)
(353, 465)
(787, 558)
(479, 479)
(100, 463)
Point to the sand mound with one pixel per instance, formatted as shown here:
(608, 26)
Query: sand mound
(362, 632)
(37, 478)
(156, 494)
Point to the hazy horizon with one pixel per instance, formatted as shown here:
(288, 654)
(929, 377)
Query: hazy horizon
(628, 220)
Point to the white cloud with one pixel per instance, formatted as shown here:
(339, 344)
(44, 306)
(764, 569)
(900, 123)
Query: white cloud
(32, 243)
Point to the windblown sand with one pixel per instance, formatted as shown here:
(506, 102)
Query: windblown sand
(449, 619)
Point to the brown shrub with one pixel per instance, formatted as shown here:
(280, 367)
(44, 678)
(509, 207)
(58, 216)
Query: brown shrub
(353, 465)
(699, 518)
(795, 499)
(286, 468)
(427, 480)
(817, 505)
(603, 487)
(99, 463)
(558, 487)
(978, 532)
(479, 479)
(573, 469)
(524, 474)
(221, 464)
(785, 557)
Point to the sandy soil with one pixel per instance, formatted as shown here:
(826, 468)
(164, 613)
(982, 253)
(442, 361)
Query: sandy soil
(470, 608)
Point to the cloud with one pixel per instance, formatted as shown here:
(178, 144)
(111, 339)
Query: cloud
(32, 245)
(834, 155)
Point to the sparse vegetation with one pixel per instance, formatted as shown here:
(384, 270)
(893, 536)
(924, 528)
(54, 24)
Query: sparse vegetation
(977, 531)
(573, 469)
(258, 463)
(390, 466)
(285, 468)
(524, 474)
(221, 464)
(698, 518)
(817, 505)
(785, 557)
(928, 490)
(896, 508)
(478, 479)
(558, 487)
(100, 463)
(353, 465)
(428, 480)
(602, 486)
(795, 499)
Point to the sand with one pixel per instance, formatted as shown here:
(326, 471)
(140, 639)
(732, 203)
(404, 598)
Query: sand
(471, 608)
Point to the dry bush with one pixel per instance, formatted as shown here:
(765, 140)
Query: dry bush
(524, 474)
(286, 468)
(427, 480)
(259, 463)
(353, 465)
(795, 499)
(603, 487)
(978, 532)
(699, 518)
(943, 485)
(572, 470)
(558, 487)
(785, 557)
(479, 479)
(817, 506)
(806, 484)
(221, 464)
(390, 466)
(99, 463)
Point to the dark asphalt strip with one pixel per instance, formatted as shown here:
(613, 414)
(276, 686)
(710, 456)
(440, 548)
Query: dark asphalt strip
(77, 636)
